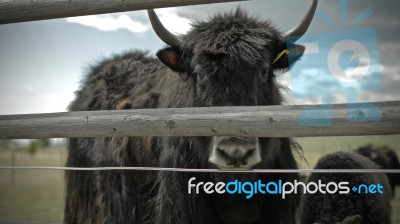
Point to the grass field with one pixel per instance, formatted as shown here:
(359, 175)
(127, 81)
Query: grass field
(33, 195)
(37, 195)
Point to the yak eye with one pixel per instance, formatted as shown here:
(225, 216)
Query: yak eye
(215, 56)
(264, 72)
(201, 76)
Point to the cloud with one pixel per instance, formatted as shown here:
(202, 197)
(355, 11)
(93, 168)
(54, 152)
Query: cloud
(172, 21)
(37, 103)
(391, 73)
(120, 21)
(110, 23)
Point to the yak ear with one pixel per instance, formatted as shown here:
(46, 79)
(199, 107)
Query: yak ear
(287, 56)
(172, 57)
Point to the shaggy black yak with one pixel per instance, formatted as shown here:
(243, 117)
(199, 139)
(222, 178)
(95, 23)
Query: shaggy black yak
(229, 60)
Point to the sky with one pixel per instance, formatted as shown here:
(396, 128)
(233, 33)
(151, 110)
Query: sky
(43, 62)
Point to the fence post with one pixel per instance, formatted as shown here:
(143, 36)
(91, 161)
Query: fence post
(13, 11)
(13, 162)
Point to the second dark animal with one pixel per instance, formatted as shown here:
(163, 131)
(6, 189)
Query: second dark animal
(386, 158)
(351, 208)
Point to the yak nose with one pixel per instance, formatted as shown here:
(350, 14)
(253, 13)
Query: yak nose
(236, 156)
(233, 153)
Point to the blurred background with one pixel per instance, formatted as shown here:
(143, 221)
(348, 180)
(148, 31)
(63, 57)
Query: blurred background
(43, 62)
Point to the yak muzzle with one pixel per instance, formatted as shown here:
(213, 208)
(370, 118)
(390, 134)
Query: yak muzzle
(235, 152)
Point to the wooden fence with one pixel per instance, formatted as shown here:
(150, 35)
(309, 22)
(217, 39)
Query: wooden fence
(12, 11)
(266, 121)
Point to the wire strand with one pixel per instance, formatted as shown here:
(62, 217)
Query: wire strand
(201, 170)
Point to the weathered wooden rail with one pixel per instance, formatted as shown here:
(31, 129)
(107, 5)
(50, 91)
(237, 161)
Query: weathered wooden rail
(262, 121)
(12, 11)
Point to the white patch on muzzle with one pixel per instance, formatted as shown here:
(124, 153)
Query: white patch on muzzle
(235, 152)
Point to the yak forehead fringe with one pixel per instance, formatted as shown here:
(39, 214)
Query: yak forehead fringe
(242, 38)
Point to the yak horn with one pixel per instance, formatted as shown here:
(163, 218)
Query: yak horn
(162, 32)
(302, 27)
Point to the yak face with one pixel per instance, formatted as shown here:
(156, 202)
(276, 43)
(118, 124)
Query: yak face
(228, 58)
(230, 61)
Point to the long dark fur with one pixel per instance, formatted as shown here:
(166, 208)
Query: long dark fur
(334, 208)
(386, 158)
(223, 60)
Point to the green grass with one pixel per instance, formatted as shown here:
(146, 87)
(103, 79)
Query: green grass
(38, 195)
(315, 147)
(32, 195)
